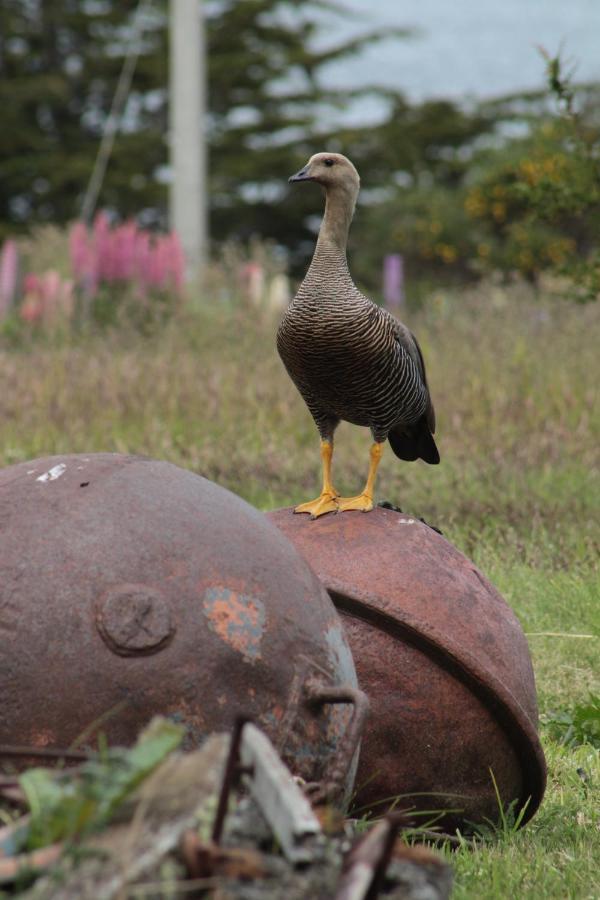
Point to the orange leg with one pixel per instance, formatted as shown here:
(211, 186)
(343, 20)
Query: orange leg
(327, 500)
(364, 501)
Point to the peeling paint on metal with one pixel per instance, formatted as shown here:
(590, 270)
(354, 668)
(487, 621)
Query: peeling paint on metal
(238, 619)
(52, 474)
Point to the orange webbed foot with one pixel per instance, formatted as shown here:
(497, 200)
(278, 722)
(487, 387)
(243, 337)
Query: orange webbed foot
(362, 502)
(327, 502)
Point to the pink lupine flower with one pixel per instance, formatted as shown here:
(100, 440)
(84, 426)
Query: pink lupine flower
(31, 309)
(125, 254)
(47, 298)
(101, 241)
(126, 238)
(161, 268)
(9, 273)
(143, 255)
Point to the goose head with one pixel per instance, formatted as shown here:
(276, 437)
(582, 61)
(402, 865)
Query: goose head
(332, 171)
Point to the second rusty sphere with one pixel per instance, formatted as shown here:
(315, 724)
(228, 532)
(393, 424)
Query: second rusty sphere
(443, 660)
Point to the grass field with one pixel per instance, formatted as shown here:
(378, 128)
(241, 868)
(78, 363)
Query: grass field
(515, 382)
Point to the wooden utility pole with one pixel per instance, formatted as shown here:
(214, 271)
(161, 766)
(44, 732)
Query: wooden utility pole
(187, 66)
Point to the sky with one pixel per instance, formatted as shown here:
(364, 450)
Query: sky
(462, 48)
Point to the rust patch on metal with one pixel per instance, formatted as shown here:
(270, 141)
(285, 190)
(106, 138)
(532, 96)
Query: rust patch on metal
(134, 619)
(43, 738)
(238, 619)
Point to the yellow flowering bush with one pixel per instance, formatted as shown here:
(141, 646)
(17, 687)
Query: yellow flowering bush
(537, 201)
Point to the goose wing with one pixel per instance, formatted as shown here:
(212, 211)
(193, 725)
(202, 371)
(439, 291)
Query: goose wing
(408, 341)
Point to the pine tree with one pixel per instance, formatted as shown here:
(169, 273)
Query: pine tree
(59, 66)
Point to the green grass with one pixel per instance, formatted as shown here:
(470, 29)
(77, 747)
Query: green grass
(515, 384)
(556, 855)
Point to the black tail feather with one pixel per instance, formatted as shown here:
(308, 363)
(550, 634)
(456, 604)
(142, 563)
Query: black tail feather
(415, 443)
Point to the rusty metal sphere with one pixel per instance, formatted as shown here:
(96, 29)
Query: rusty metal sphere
(443, 660)
(130, 587)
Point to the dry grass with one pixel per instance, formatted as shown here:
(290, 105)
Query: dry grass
(515, 384)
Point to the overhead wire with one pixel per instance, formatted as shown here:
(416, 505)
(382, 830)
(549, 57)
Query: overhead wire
(113, 120)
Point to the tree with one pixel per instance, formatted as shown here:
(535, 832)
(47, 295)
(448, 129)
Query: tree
(269, 112)
(59, 64)
(536, 199)
(421, 158)
(508, 186)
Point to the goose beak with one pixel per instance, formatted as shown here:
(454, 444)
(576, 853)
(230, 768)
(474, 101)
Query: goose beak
(302, 175)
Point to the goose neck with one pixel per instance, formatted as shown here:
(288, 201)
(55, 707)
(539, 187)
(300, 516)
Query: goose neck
(339, 209)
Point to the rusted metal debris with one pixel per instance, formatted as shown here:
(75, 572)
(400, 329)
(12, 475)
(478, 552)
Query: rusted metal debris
(281, 801)
(12, 867)
(368, 860)
(207, 860)
(417, 872)
(231, 776)
(442, 659)
(13, 751)
(283, 804)
(171, 811)
(153, 590)
(150, 825)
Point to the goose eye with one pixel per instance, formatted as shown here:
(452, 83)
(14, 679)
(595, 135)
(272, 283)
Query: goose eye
(329, 162)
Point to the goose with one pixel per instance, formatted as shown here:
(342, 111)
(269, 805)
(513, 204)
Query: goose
(350, 359)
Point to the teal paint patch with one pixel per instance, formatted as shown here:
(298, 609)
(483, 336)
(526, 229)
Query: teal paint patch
(238, 619)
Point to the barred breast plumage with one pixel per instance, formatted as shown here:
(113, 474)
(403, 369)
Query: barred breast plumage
(347, 356)
(350, 359)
